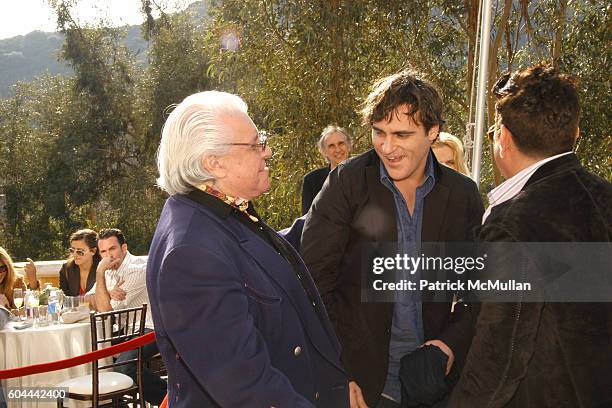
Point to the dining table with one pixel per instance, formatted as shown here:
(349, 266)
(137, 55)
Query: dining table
(42, 344)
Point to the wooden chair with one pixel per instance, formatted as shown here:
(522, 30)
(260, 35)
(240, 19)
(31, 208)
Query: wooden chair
(109, 388)
(156, 365)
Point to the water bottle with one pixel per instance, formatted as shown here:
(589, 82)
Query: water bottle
(53, 307)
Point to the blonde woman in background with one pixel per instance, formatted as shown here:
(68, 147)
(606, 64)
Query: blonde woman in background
(9, 280)
(449, 151)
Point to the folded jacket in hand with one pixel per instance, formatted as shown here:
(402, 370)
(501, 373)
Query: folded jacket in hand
(423, 377)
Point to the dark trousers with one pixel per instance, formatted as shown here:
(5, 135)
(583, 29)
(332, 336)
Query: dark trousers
(154, 387)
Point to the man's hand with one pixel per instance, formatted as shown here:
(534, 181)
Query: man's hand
(91, 299)
(107, 263)
(356, 397)
(442, 346)
(30, 270)
(117, 293)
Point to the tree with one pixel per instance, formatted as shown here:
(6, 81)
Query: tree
(31, 124)
(302, 65)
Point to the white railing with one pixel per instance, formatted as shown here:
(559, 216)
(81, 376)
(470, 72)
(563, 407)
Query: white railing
(43, 268)
(48, 268)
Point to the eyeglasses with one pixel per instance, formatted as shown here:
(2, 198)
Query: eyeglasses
(504, 85)
(263, 142)
(3, 268)
(78, 251)
(491, 132)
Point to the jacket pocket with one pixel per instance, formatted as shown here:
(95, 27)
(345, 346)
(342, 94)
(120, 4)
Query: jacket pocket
(261, 297)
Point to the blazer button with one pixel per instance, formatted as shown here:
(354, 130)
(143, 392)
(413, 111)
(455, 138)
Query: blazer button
(317, 396)
(297, 351)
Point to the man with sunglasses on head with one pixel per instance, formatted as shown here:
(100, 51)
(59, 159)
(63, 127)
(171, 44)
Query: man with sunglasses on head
(121, 284)
(541, 352)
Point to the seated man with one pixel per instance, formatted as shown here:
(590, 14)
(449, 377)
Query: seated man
(121, 284)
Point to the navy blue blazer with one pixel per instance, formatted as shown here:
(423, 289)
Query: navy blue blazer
(233, 323)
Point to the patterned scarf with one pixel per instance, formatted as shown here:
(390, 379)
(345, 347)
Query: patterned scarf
(236, 202)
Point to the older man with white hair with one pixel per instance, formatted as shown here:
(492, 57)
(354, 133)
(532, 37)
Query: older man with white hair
(238, 319)
(335, 146)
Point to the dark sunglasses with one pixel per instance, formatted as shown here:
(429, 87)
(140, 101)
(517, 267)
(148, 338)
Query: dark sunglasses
(3, 268)
(504, 85)
(78, 251)
(491, 133)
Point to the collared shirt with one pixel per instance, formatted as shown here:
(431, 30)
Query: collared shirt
(407, 323)
(133, 273)
(511, 187)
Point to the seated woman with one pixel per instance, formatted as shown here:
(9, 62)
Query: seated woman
(78, 274)
(449, 151)
(10, 280)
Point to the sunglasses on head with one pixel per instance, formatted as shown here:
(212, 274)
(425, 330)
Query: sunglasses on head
(504, 85)
(78, 251)
(491, 132)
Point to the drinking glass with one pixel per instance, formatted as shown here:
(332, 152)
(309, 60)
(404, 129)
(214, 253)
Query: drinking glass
(60, 300)
(71, 303)
(32, 305)
(83, 303)
(34, 299)
(18, 299)
(42, 316)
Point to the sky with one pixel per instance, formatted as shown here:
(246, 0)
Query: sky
(19, 17)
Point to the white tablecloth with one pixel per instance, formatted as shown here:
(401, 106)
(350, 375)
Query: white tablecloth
(20, 348)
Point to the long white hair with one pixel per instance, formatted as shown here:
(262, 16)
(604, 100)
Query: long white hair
(197, 127)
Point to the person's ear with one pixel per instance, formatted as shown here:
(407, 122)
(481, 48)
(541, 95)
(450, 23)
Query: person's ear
(505, 140)
(433, 132)
(123, 247)
(214, 165)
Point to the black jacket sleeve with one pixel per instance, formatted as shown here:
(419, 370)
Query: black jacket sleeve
(307, 195)
(324, 239)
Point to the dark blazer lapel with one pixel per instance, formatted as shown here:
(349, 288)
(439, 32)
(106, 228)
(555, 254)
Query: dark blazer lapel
(270, 261)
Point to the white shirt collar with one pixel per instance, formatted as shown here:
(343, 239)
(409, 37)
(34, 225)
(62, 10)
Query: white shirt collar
(511, 187)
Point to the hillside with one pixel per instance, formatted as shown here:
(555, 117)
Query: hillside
(24, 57)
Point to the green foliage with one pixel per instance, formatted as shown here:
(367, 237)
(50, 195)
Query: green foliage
(30, 133)
(302, 65)
(90, 140)
(588, 58)
(80, 151)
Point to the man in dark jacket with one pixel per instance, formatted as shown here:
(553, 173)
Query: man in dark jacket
(396, 193)
(335, 145)
(238, 320)
(541, 353)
